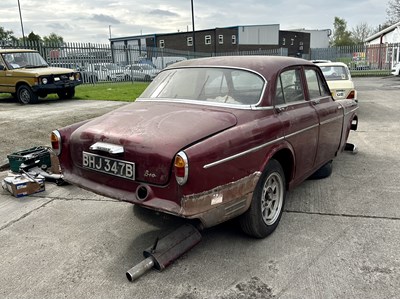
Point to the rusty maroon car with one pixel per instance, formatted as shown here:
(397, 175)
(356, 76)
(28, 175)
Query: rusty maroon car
(212, 139)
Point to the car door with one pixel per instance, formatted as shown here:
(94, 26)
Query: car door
(6, 78)
(330, 116)
(299, 119)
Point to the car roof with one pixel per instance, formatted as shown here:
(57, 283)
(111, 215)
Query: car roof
(320, 61)
(332, 64)
(5, 51)
(265, 65)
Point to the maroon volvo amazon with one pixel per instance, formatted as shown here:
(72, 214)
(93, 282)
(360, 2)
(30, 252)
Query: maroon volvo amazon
(212, 139)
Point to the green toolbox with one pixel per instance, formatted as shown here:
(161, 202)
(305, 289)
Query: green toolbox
(39, 155)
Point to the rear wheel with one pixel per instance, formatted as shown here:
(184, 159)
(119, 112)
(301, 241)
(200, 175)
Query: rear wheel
(25, 95)
(266, 208)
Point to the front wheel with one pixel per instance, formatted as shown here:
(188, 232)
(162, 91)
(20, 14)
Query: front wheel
(67, 93)
(266, 208)
(25, 95)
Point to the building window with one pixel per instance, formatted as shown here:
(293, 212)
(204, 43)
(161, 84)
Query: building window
(233, 39)
(283, 41)
(292, 42)
(162, 43)
(189, 41)
(220, 39)
(208, 39)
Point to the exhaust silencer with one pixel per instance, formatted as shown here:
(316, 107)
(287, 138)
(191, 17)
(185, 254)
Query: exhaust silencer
(166, 250)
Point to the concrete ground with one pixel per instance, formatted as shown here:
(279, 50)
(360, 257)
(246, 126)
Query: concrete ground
(338, 237)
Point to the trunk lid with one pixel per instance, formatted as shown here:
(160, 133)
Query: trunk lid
(151, 134)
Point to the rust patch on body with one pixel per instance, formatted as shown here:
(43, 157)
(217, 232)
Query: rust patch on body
(221, 203)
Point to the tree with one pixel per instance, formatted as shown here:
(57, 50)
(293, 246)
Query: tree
(53, 39)
(341, 36)
(393, 11)
(34, 37)
(361, 32)
(7, 35)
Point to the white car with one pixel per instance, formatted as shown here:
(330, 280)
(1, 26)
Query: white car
(141, 72)
(396, 69)
(339, 80)
(108, 71)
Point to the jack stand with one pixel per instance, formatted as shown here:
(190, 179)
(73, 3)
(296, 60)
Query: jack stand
(350, 147)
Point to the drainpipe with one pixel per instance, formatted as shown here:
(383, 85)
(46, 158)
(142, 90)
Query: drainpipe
(379, 52)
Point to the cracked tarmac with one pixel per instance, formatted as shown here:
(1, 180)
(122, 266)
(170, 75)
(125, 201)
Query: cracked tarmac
(338, 237)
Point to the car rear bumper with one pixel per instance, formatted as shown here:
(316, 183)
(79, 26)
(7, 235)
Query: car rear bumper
(210, 207)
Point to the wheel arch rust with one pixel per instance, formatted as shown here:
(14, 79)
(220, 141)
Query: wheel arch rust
(284, 154)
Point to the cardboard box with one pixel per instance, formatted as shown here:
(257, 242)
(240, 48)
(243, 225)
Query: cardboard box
(23, 185)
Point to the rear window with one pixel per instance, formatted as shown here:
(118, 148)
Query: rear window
(213, 85)
(335, 73)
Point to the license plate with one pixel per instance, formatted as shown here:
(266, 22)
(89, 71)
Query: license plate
(110, 166)
(340, 93)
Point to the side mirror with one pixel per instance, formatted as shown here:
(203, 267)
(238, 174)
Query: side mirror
(2, 67)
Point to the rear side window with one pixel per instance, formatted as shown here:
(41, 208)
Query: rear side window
(289, 87)
(315, 87)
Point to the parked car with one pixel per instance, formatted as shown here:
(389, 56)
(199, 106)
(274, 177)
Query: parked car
(145, 61)
(87, 76)
(320, 60)
(140, 72)
(27, 76)
(214, 138)
(340, 83)
(107, 71)
(396, 69)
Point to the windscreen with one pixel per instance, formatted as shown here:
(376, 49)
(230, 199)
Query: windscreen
(24, 60)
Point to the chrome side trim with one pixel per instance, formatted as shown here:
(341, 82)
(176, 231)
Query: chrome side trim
(331, 119)
(351, 111)
(194, 102)
(254, 149)
(302, 130)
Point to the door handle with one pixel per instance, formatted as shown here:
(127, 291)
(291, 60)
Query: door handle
(281, 109)
(315, 102)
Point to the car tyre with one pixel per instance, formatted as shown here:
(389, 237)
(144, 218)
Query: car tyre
(266, 207)
(25, 95)
(67, 93)
(323, 172)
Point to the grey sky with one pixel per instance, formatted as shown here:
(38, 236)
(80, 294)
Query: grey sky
(90, 20)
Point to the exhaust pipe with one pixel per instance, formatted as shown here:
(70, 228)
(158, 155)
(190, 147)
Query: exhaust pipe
(166, 250)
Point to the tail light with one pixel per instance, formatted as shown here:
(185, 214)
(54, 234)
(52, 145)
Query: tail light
(351, 95)
(181, 165)
(55, 139)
